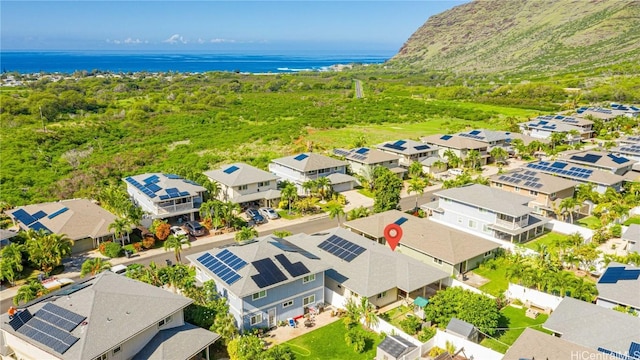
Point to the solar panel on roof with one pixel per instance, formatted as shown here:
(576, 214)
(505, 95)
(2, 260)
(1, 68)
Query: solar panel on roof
(60, 317)
(151, 179)
(340, 152)
(68, 290)
(231, 169)
(184, 193)
(421, 147)
(219, 268)
(558, 165)
(445, 137)
(173, 176)
(154, 187)
(590, 158)
(341, 248)
(58, 212)
(37, 226)
(19, 319)
(285, 245)
(617, 160)
(165, 197)
(399, 143)
(172, 191)
(474, 132)
(538, 186)
(294, 269)
(362, 150)
(24, 217)
(231, 259)
(613, 274)
(48, 335)
(268, 273)
(301, 157)
(39, 215)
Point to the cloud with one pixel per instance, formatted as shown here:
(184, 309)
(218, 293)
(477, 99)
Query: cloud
(134, 41)
(128, 41)
(174, 39)
(219, 41)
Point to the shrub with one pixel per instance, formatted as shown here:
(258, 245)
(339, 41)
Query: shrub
(411, 325)
(112, 249)
(130, 248)
(148, 242)
(435, 351)
(357, 339)
(426, 334)
(163, 231)
(616, 230)
(137, 246)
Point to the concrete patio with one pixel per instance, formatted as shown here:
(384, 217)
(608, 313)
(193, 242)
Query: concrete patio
(285, 333)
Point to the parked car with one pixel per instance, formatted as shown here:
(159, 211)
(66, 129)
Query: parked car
(269, 213)
(456, 172)
(254, 215)
(194, 228)
(119, 269)
(178, 230)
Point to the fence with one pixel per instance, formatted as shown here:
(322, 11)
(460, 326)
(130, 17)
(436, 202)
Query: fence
(568, 229)
(533, 297)
(450, 282)
(469, 349)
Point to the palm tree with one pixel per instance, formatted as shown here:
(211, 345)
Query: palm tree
(367, 311)
(569, 205)
(32, 290)
(499, 154)
(178, 277)
(310, 187)
(120, 227)
(213, 188)
(175, 242)
(473, 157)
(134, 215)
(246, 233)
(353, 313)
(557, 138)
(11, 262)
(416, 186)
(324, 187)
(357, 213)
(415, 170)
(452, 158)
(367, 176)
(289, 192)
(224, 324)
(229, 210)
(336, 210)
(47, 250)
(94, 266)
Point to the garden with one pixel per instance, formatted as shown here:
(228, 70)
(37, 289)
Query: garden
(511, 324)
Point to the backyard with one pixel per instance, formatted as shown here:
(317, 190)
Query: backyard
(549, 239)
(497, 277)
(590, 222)
(328, 342)
(514, 321)
(632, 220)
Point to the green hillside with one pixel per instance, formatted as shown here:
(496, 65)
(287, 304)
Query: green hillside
(526, 36)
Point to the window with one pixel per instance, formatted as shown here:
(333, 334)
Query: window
(437, 261)
(242, 187)
(259, 295)
(308, 300)
(264, 183)
(287, 303)
(472, 224)
(553, 195)
(498, 185)
(482, 210)
(322, 171)
(516, 189)
(487, 254)
(256, 319)
(164, 321)
(485, 228)
(533, 192)
(447, 200)
(101, 357)
(308, 278)
(382, 294)
(116, 350)
(459, 219)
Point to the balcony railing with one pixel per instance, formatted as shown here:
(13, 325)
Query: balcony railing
(175, 208)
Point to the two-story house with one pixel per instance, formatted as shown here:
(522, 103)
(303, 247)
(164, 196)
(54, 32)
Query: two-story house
(81, 220)
(450, 250)
(359, 159)
(310, 166)
(243, 184)
(488, 211)
(458, 145)
(608, 114)
(107, 317)
(543, 127)
(547, 190)
(265, 281)
(602, 180)
(165, 196)
(496, 137)
(599, 160)
(409, 151)
(359, 267)
(619, 285)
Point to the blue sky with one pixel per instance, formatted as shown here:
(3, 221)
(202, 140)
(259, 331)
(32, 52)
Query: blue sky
(213, 25)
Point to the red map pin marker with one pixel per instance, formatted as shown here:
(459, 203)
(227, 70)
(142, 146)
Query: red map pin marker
(393, 234)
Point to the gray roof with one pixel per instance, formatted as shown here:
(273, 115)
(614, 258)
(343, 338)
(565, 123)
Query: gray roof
(238, 174)
(549, 184)
(182, 342)
(454, 142)
(623, 291)
(112, 304)
(310, 162)
(254, 251)
(396, 346)
(376, 270)
(551, 126)
(406, 147)
(534, 344)
(599, 159)
(632, 233)
(340, 178)
(7, 234)
(433, 159)
(426, 236)
(486, 136)
(267, 195)
(460, 327)
(155, 185)
(82, 219)
(593, 326)
(594, 175)
(366, 156)
(485, 197)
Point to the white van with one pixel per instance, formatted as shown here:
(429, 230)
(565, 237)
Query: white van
(119, 269)
(455, 172)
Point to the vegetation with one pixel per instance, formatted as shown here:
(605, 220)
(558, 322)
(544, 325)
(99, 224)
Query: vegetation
(387, 190)
(94, 266)
(476, 309)
(512, 323)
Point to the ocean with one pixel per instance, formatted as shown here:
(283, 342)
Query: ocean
(27, 62)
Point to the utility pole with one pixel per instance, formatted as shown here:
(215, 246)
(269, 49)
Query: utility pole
(42, 119)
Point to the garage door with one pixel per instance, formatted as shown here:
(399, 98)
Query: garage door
(82, 245)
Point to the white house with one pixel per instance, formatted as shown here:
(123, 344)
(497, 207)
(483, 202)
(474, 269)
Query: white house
(241, 183)
(310, 166)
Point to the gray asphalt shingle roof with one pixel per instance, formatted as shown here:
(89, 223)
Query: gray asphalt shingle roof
(311, 161)
(396, 346)
(623, 291)
(534, 344)
(460, 327)
(367, 156)
(550, 184)
(454, 142)
(486, 197)
(593, 326)
(238, 174)
(183, 342)
(406, 147)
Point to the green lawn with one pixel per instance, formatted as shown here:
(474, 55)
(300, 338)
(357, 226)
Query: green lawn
(549, 239)
(328, 342)
(285, 214)
(395, 315)
(590, 222)
(516, 321)
(498, 282)
(632, 220)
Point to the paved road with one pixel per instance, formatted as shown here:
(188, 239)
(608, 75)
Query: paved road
(359, 92)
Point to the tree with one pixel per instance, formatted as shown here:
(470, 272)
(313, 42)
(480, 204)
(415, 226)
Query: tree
(557, 138)
(367, 176)
(289, 192)
(357, 213)
(246, 233)
(178, 276)
(324, 187)
(47, 250)
(569, 205)
(499, 154)
(416, 186)
(335, 211)
(11, 262)
(120, 227)
(310, 187)
(224, 324)
(452, 158)
(282, 233)
(387, 191)
(32, 290)
(353, 313)
(229, 212)
(245, 347)
(94, 266)
(477, 309)
(368, 312)
(415, 170)
(163, 230)
(473, 158)
(175, 243)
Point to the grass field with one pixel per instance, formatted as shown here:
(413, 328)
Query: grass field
(328, 342)
(590, 222)
(549, 239)
(498, 282)
(632, 220)
(516, 321)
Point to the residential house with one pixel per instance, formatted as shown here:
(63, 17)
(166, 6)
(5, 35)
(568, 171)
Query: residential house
(608, 114)
(165, 196)
(450, 250)
(628, 148)
(394, 347)
(81, 220)
(629, 139)
(106, 317)
(310, 166)
(361, 159)
(547, 190)
(543, 127)
(434, 165)
(484, 210)
(409, 151)
(458, 145)
(363, 268)
(244, 184)
(6, 236)
(619, 285)
(534, 344)
(602, 180)
(265, 281)
(497, 138)
(595, 327)
(598, 160)
(632, 236)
